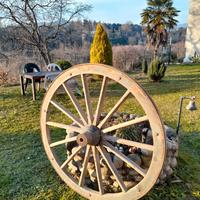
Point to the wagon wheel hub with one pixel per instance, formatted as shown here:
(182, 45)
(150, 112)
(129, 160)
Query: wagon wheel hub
(91, 136)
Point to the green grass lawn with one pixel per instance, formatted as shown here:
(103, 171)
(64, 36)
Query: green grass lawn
(26, 173)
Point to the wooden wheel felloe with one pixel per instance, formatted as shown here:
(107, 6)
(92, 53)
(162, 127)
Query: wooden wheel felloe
(93, 136)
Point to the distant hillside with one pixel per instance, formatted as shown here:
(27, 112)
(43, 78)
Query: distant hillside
(119, 34)
(80, 34)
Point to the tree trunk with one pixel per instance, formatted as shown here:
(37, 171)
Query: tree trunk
(45, 55)
(145, 50)
(155, 56)
(47, 52)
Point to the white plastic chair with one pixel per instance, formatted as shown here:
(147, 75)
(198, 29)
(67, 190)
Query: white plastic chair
(52, 67)
(54, 70)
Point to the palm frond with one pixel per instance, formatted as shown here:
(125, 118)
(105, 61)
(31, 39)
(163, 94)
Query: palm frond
(158, 17)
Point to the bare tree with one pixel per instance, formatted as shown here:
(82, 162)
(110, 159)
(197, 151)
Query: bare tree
(39, 22)
(127, 57)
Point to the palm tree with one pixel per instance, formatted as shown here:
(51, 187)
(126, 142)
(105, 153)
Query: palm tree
(158, 19)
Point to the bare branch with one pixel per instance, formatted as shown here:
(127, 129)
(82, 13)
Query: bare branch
(41, 21)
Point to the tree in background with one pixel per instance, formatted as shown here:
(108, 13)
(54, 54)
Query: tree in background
(144, 66)
(158, 19)
(101, 49)
(40, 22)
(156, 70)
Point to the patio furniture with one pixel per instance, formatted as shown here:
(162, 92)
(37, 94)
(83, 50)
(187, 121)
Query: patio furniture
(48, 79)
(33, 77)
(52, 67)
(30, 68)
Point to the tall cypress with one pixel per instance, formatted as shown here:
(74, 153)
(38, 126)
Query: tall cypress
(101, 49)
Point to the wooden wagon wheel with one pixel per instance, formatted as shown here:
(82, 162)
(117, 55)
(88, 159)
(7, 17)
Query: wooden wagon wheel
(94, 137)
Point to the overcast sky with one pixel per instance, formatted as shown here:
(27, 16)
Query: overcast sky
(122, 11)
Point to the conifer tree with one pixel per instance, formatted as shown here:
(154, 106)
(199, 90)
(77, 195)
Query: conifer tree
(101, 49)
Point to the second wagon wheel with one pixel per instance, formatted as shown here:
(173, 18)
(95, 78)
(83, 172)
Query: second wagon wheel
(92, 137)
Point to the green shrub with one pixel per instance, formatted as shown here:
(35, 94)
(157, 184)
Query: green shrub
(101, 49)
(196, 58)
(144, 66)
(170, 57)
(64, 64)
(156, 70)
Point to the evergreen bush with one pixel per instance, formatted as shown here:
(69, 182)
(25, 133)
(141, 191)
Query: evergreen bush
(64, 64)
(101, 49)
(156, 70)
(196, 58)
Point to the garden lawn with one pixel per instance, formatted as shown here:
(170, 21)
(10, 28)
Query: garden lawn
(26, 173)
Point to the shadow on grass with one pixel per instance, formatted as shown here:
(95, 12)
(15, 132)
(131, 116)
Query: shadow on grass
(25, 170)
(13, 92)
(9, 93)
(172, 84)
(184, 77)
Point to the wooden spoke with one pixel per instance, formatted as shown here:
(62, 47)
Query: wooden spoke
(114, 109)
(71, 157)
(136, 167)
(66, 112)
(87, 98)
(85, 164)
(125, 124)
(75, 103)
(72, 139)
(101, 100)
(128, 142)
(112, 168)
(68, 128)
(98, 169)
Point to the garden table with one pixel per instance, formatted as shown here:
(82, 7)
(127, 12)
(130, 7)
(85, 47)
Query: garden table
(33, 76)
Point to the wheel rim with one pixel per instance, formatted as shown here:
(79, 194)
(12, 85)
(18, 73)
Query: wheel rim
(101, 149)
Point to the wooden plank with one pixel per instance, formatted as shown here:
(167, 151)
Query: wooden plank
(98, 169)
(66, 112)
(125, 124)
(87, 98)
(75, 103)
(71, 157)
(72, 139)
(68, 128)
(128, 142)
(112, 168)
(120, 155)
(85, 164)
(114, 109)
(101, 100)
